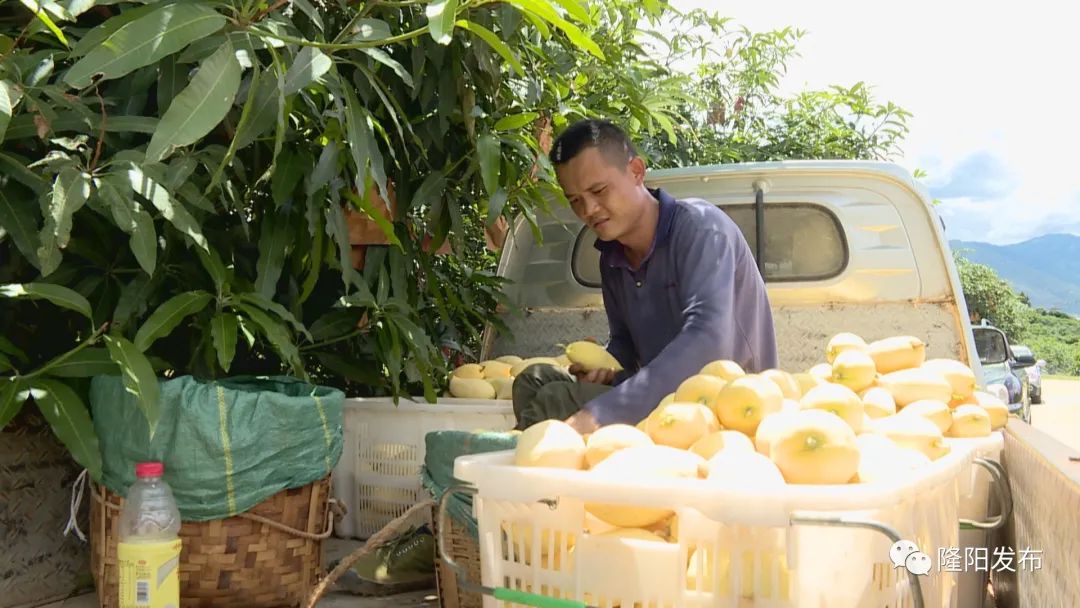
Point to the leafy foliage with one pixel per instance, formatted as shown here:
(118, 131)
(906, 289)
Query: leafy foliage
(1052, 335)
(176, 175)
(990, 297)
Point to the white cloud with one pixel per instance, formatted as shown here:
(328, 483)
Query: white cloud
(983, 80)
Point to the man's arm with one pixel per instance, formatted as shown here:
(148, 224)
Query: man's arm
(709, 292)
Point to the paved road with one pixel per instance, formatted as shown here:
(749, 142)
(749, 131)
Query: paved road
(1059, 414)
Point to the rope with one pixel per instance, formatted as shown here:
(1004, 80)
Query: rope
(76, 502)
(388, 532)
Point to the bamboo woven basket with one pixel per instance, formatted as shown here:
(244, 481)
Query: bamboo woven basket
(465, 551)
(268, 557)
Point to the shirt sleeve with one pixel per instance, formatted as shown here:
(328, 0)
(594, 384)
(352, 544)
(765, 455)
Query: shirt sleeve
(620, 343)
(707, 282)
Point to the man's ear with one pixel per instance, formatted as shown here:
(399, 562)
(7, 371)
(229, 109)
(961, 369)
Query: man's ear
(637, 169)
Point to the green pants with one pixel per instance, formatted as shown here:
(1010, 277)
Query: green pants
(545, 392)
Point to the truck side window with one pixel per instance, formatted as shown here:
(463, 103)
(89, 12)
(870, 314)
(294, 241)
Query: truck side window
(804, 242)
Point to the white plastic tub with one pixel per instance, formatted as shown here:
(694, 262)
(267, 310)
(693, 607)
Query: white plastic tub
(761, 558)
(378, 476)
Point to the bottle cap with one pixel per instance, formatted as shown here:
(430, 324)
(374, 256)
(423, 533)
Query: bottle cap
(149, 469)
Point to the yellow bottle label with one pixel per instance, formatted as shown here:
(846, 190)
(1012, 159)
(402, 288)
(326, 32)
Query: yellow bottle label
(149, 574)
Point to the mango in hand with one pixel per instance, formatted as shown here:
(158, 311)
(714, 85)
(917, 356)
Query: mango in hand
(591, 356)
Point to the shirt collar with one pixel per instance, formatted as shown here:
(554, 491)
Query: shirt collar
(612, 251)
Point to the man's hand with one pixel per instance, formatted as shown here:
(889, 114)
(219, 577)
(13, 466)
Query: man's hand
(596, 376)
(583, 422)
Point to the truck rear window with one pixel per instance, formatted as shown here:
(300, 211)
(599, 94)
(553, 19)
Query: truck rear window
(803, 242)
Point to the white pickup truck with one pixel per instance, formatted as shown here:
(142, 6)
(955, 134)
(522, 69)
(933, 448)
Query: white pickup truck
(843, 246)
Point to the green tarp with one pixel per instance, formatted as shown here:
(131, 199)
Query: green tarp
(442, 448)
(227, 445)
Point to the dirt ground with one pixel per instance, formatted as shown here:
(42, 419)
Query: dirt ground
(1059, 414)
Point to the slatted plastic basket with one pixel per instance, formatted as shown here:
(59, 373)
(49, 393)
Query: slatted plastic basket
(793, 547)
(975, 485)
(378, 476)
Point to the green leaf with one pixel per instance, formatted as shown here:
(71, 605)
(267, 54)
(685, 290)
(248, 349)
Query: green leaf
(42, 16)
(288, 172)
(70, 421)
(18, 217)
(441, 15)
(85, 363)
(215, 268)
(336, 323)
(139, 377)
(275, 238)
(362, 142)
(496, 204)
(276, 333)
(364, 375)
(167, 316)
(265, 111)
(245, 118)
(310, 65)
(457, 226)
(370, 29)
(130, 217)
(70, 191)
(6, 346)
(311, 12)
(495, 43)
(170, 208)
(576, 10)
(99, 34)
(488, 151)
(59, 295)
(10, 403)
(144, 41)
(171, 81)
(338, 230)
(223, 331)
(543, 10)
(430, 189)
(9, 98)
(515, 121)
(15, 168)
(200, 106)
(133, 300)
(274, 308)
(384, 58)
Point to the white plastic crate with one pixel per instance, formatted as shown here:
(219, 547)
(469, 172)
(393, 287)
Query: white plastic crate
(758, 556)
(975, 483)
(378, 476)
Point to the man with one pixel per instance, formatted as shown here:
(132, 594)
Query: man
(680, 286)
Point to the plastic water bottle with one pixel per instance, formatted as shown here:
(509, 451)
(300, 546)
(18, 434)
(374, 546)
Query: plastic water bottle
(148, 551)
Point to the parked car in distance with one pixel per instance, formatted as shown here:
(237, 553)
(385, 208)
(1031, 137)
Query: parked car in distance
(1024, 357)
(1001, 370)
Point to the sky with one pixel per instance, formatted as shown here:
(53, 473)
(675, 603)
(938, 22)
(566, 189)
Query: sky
(992, 87)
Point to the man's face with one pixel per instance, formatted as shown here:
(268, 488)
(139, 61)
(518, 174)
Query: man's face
(602, 192)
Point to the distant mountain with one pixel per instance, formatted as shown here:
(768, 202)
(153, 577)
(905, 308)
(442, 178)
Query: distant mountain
(1046, 268)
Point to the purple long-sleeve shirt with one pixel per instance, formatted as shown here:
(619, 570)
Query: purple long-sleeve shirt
(697, 297)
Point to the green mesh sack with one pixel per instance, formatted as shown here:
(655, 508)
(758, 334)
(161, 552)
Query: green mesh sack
(442, 448)
(227, 444)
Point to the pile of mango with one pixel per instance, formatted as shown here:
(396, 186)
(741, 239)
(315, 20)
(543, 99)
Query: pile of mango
(494, 379)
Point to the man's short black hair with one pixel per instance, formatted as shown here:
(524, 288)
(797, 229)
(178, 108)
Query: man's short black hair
(612, 142)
